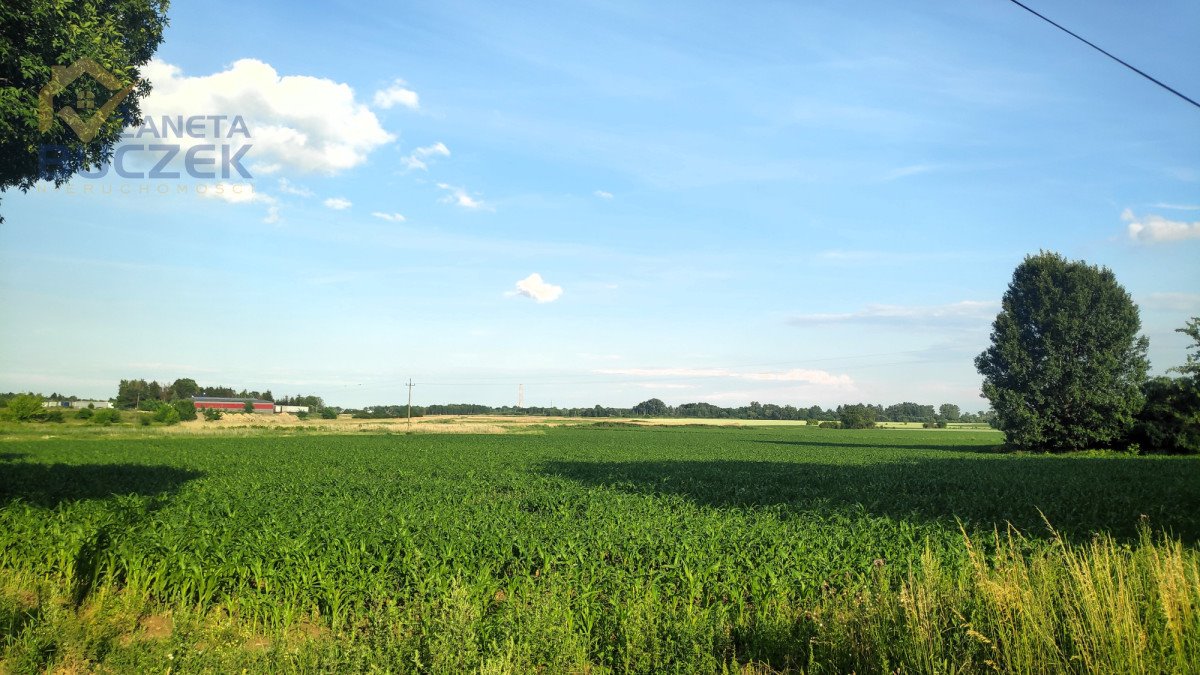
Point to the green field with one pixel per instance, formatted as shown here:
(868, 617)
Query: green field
(596, 549)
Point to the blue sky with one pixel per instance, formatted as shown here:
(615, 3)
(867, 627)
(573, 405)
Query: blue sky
(786, 202)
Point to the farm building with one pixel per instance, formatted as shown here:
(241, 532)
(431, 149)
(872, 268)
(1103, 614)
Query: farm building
(291, 408)
(91, 404)
(233, 404)
(77, 404)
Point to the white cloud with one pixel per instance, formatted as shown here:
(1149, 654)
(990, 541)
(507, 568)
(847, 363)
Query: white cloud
(965, 312)
(241, 193)
(802, 375)
(416, 159)
(461, 197)
(536, 288)
(603, 194)
(287, 187)
(295, 122)
(390, 217)
(397, 93)
(1156, 229)
(338, 203)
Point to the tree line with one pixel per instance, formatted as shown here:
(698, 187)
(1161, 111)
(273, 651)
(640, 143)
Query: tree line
(899, 412)
(146, 395)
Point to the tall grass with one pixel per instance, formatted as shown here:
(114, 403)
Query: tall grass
(1096, 607)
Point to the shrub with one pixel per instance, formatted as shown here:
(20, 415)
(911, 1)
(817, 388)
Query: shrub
(249, 407)
(186, 409)
(84, 413)
(830, 425)
(328, 414)
(302, 415)
(106, 416)
(144, 420)
(166, 414)
(1169, 422)
(812, 423)
(211, 414)
(53, 415)
(25, 408)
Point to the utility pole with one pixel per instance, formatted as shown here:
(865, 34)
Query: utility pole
(410, 386)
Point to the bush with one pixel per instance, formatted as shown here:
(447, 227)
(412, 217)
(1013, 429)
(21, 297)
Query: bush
(144, 420)
(211, 414)
(186, 409)
(166, 414)
(84, 413)
(25, 408)
(106, 416)
(328, 414)
(302, 415)
(830, 425)
(1169, 422)
(249, 407)
(53, 415)
(812, 423)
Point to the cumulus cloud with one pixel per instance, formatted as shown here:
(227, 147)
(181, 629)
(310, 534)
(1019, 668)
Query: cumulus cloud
(602, 194)
(296, 122)
(338, 203)
(417, 159)
(537, 289)
(460, 197)
(965, 312)
(1154, 229)
(397, 94)
(390, 217)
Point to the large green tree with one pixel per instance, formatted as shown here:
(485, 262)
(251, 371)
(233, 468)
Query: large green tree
(950, 412)
(1066, 364)
(115, 38)
(651, 408)
(856, 416)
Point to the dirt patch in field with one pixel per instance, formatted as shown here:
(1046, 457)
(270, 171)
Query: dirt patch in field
(156, 627)
(257, 643)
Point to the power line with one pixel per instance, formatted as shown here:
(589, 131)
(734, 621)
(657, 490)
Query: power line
(1102, 51)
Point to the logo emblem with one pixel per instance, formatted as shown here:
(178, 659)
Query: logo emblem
(61, 78)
